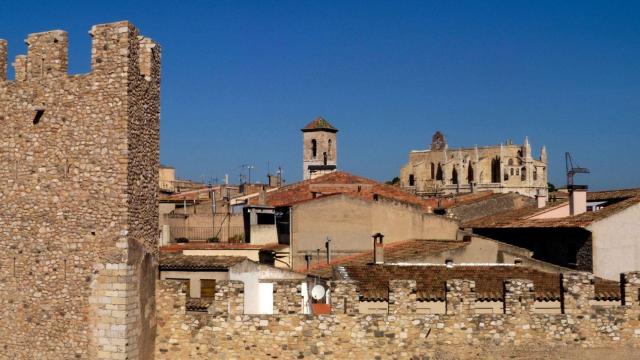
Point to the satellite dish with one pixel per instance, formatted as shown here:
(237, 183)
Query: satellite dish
(317, 292)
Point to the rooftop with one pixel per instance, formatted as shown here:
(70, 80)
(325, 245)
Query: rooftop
(178, 248)
(341, 182)
(616, 201)
(489, 280)
(180, 262)
(400, 251)
(319, 123)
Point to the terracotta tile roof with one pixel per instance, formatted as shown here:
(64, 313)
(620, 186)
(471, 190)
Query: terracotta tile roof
(492, 203)
(401, 251)
(319, 123)
(173, 261)
(198, 304)
(340, 182)
(178, 248)
(618, 200)
(373, 281)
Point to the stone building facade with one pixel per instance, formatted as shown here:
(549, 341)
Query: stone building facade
(226, 332)
(319, 149)
(499, 168)
(79, 159)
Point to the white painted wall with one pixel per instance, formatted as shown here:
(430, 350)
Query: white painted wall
(252, 293)
(616, 243)
(265, 298)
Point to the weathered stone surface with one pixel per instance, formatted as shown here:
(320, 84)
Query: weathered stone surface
(403, 334)
(79, 159)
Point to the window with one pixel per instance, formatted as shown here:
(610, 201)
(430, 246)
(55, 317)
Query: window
(439, 173)
(454, 176)
(523, 174)
(433, 171)
(38, 116)
(535, 174)
(329, 150)
(207, 288)
(411, 180)
(510, 162)
(266, 218)
(495, 170)
(511, 172)
(470, 174)
(314, 148)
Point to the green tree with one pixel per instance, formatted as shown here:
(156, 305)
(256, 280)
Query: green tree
(394, 181)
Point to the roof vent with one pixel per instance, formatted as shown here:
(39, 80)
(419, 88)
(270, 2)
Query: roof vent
(448, 263)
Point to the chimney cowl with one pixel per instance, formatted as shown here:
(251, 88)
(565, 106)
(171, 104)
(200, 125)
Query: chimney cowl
(448, 263)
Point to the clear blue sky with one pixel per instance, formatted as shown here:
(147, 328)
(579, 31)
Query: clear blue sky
(241, 78)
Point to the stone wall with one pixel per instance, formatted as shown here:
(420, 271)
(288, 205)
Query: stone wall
(79, 157)
(398, 334)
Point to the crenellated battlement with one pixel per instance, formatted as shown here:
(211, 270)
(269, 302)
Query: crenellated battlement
(79, 159)
(117, 48)
(288, 334)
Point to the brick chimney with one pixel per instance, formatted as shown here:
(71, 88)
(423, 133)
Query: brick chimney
(378, 249)
(577, 199)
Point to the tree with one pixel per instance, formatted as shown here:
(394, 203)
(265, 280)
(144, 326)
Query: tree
(394, 181)
(551, 187)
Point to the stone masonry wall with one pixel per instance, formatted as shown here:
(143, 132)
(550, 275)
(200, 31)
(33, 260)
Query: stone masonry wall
(399, 335)
(79, 158)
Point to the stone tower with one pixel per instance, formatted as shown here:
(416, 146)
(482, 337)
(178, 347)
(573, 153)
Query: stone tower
(319, 149)
(79, 159)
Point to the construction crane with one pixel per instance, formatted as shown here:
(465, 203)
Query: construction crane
(572, 170)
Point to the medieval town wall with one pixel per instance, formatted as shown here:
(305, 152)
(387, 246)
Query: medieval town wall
(79, 158)
(226, 332)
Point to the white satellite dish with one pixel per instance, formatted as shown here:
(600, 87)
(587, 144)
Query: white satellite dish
(317, 292)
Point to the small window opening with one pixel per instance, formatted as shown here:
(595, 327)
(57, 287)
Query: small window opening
(38, 117)
(266, 219)
(411, 180)
(314, 148)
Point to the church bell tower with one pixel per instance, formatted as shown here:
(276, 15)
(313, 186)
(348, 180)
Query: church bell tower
(319, 149)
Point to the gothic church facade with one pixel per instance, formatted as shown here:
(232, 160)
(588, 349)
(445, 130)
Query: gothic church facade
(499, 168)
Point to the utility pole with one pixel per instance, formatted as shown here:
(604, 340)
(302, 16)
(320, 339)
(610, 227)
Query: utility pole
(213, 210)
(249, 167)
(327, 244)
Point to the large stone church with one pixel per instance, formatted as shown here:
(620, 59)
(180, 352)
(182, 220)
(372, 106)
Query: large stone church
(499, 168)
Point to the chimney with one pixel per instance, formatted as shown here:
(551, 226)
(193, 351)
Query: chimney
(577, 199)
(262, 197)
(378, 249)
(541, 199)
